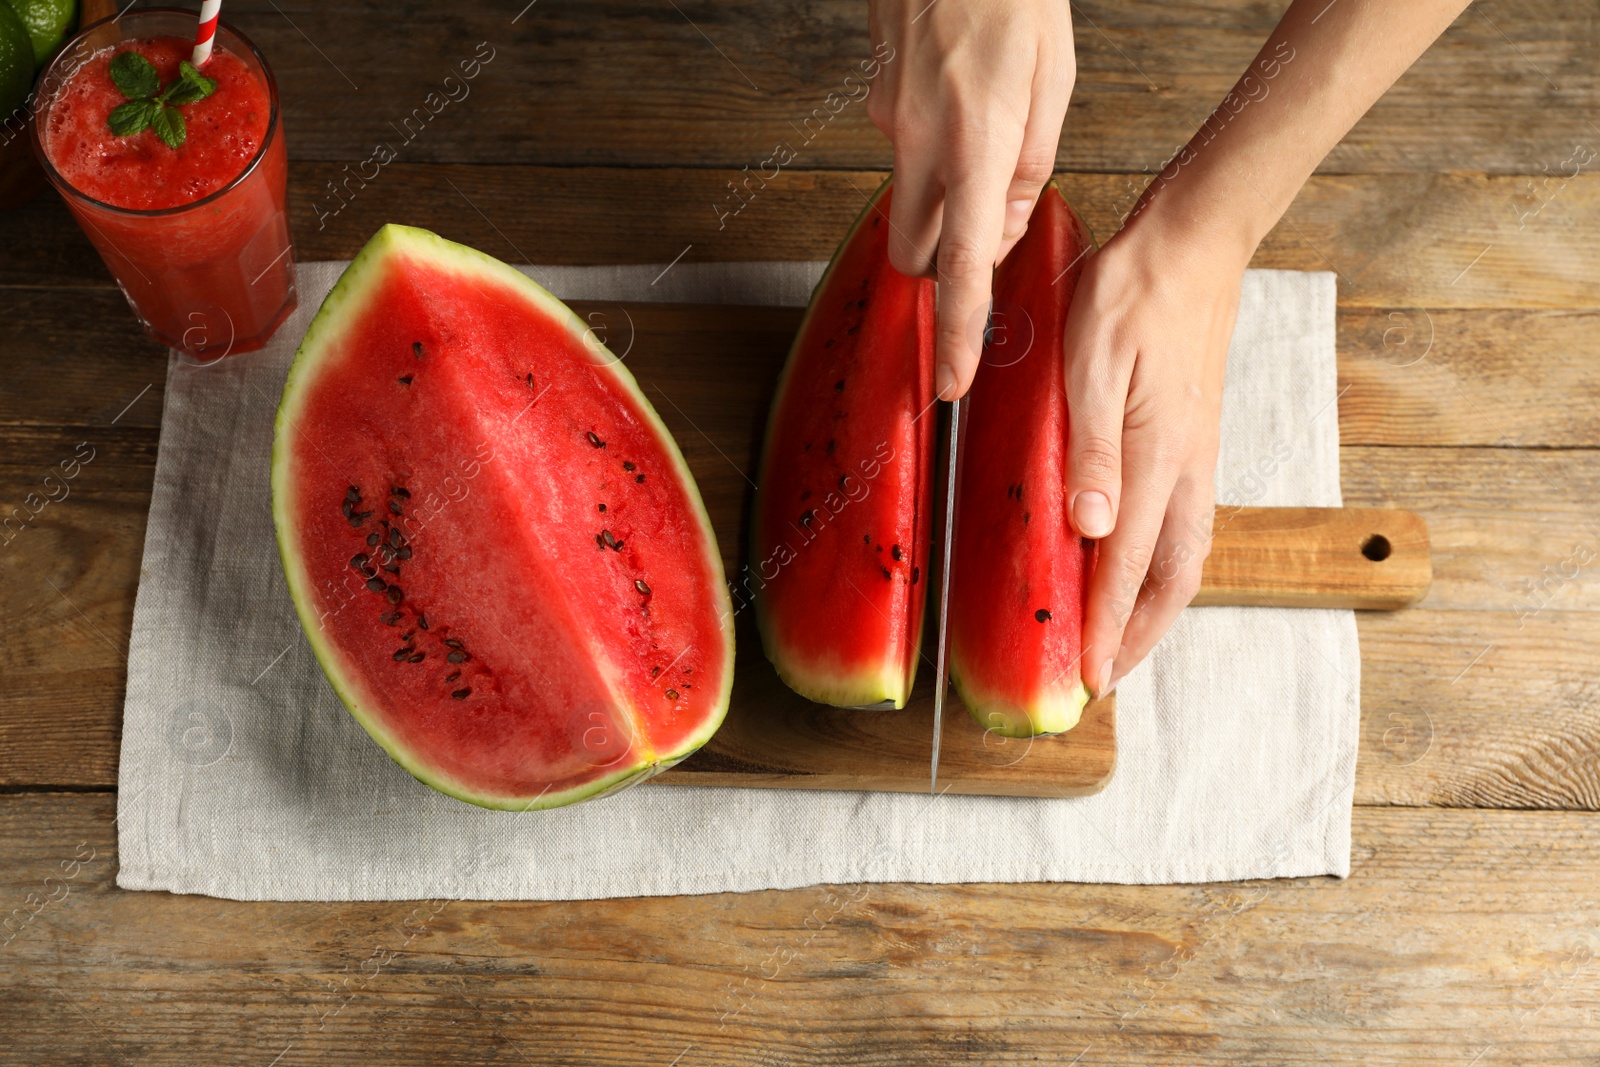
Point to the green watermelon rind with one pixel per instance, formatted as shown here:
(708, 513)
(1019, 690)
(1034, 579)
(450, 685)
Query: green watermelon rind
(859, 688)
(1057, 709)
(339, 309)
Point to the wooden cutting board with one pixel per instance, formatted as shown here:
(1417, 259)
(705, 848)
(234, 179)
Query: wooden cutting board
(1264, 557)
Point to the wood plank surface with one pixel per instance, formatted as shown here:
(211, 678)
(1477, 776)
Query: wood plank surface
(1408, 376)
(1457, 931)
(585, 82)
(1396, 240)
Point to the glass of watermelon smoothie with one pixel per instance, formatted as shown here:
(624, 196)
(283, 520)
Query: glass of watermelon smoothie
(196, 235)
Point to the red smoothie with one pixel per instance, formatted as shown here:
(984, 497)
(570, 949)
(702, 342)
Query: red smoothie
(196, 234)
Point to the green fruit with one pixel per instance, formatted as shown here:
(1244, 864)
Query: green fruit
(47, 22)
(16, 62)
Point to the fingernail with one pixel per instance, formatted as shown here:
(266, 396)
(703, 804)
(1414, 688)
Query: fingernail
(1017, 214)
(945, 381)
(1102, 679)
(1091, 513)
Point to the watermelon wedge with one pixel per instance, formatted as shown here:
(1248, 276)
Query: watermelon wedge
(1020, 573)
(840, 537)
(496, 550)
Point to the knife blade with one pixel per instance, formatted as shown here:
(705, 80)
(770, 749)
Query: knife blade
(941, 678)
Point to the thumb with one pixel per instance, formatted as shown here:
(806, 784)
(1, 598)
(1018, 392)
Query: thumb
(1097, 393)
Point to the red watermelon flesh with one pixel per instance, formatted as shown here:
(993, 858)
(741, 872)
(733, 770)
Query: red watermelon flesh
(500, 558)
(840, 538)
(1020, 573)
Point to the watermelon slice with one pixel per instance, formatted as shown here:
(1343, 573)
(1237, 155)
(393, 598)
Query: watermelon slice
(840, 537)
(497, 551)
(1020, 573)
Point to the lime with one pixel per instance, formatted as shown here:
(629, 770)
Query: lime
(47, 22)
(16, 62)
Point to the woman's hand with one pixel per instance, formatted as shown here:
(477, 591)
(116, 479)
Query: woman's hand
(1146, 341)
(973, 102)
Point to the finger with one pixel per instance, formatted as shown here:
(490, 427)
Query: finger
(1097, 379)
(917, 208)
(1037, 160)
(969, 239)
(1174, 575)
(1124, 557)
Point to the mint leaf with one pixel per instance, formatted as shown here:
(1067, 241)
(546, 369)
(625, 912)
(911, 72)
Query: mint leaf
(169, 126)
(190, 76)
(133, 116)
(190, 86)
(135, 76)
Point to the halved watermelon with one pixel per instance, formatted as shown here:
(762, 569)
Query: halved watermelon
(498, 554)
(839, 543)
(1020, 573)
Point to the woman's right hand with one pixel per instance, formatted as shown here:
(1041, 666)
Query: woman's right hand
(973, 102)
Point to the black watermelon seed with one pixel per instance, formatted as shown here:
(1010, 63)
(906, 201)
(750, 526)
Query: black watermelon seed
(594, 439)
(355, 520)
(654, 671)
(401, 490)
(600, 542)
(452, 676)
(638, 583)
(416, 349)
(854, 329)
(347, 508)
(838, 386)
(602, 507)
(390, 618)
(895, 552)
(831, 446)
(392, 568)
(360, 560)
(352, 493)
(807, 517)
(408, 635)
(805, 494)
(402, 653)
(417, 657)
(377, 585)
(916, 575)
(456, 657)
(866, 539)
(880, 548)
(405, 379)
(373, 539)
(394, 507)
(394, 594)
(454, 642)
(403, 553)
(886, 573)
(461, 694)
(530, 381)
(628, 466)
(639, 478)
(1026, 516)
(422, 621)
(1042, 615)
(607, 540)
(672, 694)
(394, 537)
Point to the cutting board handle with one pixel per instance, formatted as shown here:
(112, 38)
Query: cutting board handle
(1375, 558)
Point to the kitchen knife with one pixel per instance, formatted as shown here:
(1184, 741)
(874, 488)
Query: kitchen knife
(952, 481)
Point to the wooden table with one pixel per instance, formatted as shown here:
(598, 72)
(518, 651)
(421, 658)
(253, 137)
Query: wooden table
(600, 131)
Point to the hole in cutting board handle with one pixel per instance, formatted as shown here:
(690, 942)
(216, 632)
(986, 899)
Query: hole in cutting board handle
(1376, 548)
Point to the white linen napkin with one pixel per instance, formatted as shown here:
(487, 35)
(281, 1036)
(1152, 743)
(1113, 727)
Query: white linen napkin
(243, 776)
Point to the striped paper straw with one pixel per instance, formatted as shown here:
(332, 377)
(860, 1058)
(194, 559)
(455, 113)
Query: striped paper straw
(209, 10)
